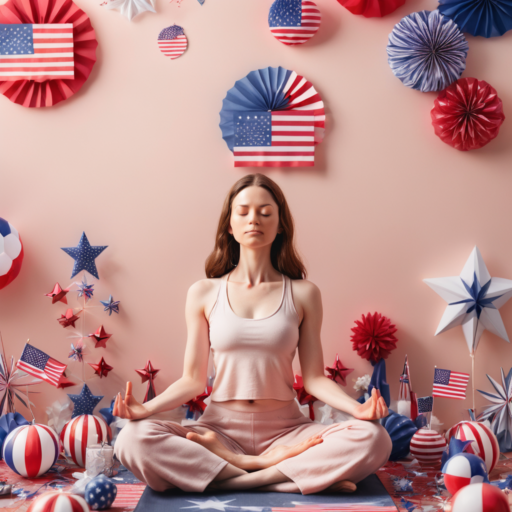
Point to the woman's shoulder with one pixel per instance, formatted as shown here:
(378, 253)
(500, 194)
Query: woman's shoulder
(205, 286)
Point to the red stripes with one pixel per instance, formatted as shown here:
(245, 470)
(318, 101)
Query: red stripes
(53, 30)
(33, 452)
(259, 163)
(85, 435)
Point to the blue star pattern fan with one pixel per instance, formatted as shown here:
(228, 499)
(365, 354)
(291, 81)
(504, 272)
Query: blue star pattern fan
(84, 255)
(294, 21)
(489, 18)
(427, 51)
(272, 118)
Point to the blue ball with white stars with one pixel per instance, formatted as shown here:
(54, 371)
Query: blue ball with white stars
(100, 493)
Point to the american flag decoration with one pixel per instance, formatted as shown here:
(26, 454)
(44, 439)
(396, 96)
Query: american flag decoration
(36, 52)
(427, 447)
(39, 364)
(450, 384)
(285, 137)
(172, 41)
(425, 404)
(294, 21)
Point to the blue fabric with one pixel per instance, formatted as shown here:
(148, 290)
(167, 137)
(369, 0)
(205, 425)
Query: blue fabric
(259, 91)
(400, 429)
(378, 381)
(489, 18)
(9, 422)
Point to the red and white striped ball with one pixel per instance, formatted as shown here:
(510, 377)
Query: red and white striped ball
(484, 444)
(480, 498)
(81, 432)
(55, 501)
(428, 447)
(172, 41)
(294, 21)
(31, 450)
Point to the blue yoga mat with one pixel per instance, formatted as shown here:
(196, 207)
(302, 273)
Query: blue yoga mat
(370, 493)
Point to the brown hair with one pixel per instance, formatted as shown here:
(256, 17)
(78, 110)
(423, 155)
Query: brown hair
(226, 253)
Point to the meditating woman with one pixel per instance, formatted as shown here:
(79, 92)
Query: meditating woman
(254, 310)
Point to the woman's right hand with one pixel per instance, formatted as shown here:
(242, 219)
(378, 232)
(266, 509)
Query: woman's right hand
(129, 408)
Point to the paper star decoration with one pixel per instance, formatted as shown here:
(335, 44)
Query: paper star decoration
(85, 290)
(338, 372)
(85, 255)
(473, 301)
(68, 319)
(303, 396)
(148, 373)
(196, 406)
(77, 353)
(85, 402)
(101, 337)
(64, 382)
(211, 503)
(110, 305)
(58, 294)
(131, 8)
(101, 368)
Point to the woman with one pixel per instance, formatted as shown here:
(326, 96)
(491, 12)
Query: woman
(254, 311)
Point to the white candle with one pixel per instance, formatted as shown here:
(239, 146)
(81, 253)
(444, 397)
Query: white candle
(99, 459)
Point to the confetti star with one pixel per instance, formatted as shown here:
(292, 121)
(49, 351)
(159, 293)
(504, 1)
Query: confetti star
(85, 402)
(101, 337)
(110, 305)
(85, 289)
(216, 504)
(58, 294)
(77, 353)
(338, 372)
(101, 368)
(68, 319)
(85, 255)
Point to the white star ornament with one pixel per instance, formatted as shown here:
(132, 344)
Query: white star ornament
(473, 301)
(131, 8)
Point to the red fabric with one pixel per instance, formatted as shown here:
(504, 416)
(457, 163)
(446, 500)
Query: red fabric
(467, 114)
(373, 338)
(371, 8)
(29, 93)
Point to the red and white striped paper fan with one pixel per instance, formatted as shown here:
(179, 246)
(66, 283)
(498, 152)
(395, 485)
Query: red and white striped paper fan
(172, 41)
(428, 447)
(294, 22)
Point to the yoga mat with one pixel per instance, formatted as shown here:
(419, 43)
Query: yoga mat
(370, 496)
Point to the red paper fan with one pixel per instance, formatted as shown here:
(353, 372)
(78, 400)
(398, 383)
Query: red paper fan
(467, 114)
(372, 8)
(30, 93)
(374, 338)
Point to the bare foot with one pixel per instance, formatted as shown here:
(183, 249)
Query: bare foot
(341, 486)
(211, 441)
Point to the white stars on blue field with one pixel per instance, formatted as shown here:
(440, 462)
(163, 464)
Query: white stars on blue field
(84, 255)
(253, 129)
(16, 40)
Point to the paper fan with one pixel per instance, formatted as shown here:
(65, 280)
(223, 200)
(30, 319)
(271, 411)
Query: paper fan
(30, 93)
(294, 21)
(488, 19)
(372, 8)
(172, 41)
(272, 118)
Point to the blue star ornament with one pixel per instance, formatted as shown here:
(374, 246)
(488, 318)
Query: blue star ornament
(110, 305)
(474, 299)
(85, 255)
(85, 402)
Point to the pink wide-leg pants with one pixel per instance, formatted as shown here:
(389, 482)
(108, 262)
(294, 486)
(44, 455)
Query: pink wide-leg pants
(158, 453)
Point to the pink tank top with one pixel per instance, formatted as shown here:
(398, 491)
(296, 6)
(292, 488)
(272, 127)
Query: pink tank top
(253, 357)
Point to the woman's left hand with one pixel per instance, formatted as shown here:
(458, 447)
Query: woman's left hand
(373, 409)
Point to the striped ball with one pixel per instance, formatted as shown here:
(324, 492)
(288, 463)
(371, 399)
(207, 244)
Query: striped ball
(31, 450)
(428, 447)
(81, 432)
(172, 41)
(484, 444)
(55, 501)
(288, 32)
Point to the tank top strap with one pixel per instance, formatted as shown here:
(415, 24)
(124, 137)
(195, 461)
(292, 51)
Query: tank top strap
(221, 298)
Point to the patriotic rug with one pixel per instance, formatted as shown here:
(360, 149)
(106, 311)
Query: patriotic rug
(371, 496)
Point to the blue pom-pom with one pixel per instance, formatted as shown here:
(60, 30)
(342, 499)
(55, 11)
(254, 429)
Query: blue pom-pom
(100, 493)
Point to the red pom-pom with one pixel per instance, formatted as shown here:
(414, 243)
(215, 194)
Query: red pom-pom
(373, 338)
(467, 114)
(372, 8)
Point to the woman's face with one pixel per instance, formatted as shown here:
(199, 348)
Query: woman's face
(254, 217)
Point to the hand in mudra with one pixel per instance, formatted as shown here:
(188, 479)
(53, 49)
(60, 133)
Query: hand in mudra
(211, 441)
(373, 409)
(129, 408)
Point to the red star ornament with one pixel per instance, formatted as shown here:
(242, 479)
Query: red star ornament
(101, 368)
(338, 372)
(58, 294)
(68, 319)
(101, 337)
(148, 373)
(64, 382)
(196, 405)
(303, 396)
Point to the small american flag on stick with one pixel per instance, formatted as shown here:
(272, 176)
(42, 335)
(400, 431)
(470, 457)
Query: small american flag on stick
(450, 384)
(36, 52)
(38, 364)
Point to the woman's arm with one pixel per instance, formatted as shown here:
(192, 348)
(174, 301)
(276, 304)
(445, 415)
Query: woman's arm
(312, 360)
(195, 367)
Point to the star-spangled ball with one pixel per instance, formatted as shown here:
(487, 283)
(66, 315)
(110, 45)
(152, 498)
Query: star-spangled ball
(171, 32)
(100, 493)
(85, 255)
(11, 253)
(85, 402)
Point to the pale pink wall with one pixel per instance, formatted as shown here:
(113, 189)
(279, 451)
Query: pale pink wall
(136, 159)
